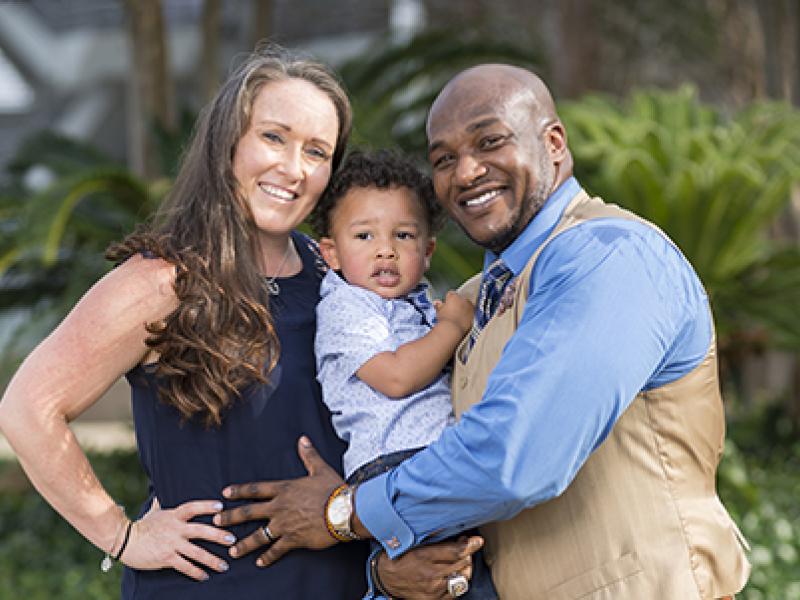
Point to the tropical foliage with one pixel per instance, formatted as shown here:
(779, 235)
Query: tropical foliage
(55, 231)
(393, 84)
(753, 483)
(715, 184)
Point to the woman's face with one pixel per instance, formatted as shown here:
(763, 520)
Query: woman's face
(283, 161)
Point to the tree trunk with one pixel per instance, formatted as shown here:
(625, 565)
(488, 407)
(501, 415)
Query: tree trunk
(779, 21)
(261, 25)
(151, 91)
(209, 67)
(580, 50)
(742, 50)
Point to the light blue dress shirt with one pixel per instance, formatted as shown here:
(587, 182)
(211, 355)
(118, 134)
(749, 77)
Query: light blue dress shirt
(354, 325)
(614, 308)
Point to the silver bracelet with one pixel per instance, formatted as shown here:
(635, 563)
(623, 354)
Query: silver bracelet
(109, 560)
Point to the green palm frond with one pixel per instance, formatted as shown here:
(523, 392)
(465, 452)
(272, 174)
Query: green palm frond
(392, 85)
(52, 243)
(87, 210)
(714, 184)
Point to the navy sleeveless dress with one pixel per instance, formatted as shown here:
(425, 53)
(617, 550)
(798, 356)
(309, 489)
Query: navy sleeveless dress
(257, 441)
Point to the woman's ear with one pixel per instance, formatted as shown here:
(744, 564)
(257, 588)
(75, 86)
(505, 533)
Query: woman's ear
(328, 249)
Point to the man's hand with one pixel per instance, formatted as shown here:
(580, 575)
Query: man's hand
(294, 509)
(422, 573)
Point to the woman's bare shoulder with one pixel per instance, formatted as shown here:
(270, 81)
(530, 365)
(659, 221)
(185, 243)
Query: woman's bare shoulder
(143, 286)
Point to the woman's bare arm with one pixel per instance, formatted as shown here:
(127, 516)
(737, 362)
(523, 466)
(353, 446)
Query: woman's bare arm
(102, 338)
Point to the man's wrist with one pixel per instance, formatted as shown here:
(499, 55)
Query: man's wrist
(374, 574)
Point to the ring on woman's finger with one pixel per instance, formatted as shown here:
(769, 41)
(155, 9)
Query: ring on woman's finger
(457, 585)
(268, 534)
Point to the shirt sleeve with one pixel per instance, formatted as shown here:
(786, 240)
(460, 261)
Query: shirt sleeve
(611, 307)
(351, 329)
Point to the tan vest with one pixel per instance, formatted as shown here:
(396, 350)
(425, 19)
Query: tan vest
(641, 520)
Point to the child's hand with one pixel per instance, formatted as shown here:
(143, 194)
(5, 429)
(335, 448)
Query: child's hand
(456, 309)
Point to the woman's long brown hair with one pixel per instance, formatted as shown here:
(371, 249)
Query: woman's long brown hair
(220, 338)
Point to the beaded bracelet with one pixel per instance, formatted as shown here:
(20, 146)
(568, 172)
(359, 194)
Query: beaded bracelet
(376, 579)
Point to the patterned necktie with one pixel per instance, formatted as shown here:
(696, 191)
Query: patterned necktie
(495, 280)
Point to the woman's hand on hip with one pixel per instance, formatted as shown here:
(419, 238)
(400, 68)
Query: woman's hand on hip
(162, 539)
(422, 573)
(293, 509)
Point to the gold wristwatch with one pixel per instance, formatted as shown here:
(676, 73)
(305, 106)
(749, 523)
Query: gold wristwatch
(339, 514)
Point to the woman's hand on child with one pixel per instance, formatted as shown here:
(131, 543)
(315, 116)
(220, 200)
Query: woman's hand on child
(457, 310)
(162, 539)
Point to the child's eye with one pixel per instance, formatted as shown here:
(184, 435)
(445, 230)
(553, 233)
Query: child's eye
(363, 235)
(405, 235)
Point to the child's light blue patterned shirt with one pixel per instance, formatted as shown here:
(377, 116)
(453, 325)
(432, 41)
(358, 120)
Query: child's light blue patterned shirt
(353, 325)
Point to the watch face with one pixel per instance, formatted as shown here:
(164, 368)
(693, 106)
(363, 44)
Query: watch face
(339, 512)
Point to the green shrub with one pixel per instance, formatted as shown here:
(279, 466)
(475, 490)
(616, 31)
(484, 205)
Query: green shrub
(759, 482)
(41, 556)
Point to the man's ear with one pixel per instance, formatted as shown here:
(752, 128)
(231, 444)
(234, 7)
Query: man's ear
(328, 249)
(555, 140)
(429, 252)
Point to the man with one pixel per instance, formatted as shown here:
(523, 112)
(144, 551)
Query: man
(591, 423)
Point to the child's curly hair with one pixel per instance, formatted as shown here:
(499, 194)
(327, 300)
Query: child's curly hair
(381, 169)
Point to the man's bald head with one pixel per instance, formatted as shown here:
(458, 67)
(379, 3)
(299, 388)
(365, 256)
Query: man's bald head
(496, 85)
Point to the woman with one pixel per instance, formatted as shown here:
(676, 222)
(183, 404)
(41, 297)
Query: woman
(218, 288)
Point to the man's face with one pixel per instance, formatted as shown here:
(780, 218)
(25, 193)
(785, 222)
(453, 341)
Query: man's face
(491, 167)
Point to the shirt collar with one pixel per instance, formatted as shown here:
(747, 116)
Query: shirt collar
(419, 296)
(516, 256)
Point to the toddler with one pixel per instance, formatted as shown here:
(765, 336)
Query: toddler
(382, 347)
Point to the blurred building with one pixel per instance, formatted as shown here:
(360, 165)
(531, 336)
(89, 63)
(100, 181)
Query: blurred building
(65, 66)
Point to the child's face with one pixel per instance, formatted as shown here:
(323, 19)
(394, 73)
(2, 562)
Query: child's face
(379, 240)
